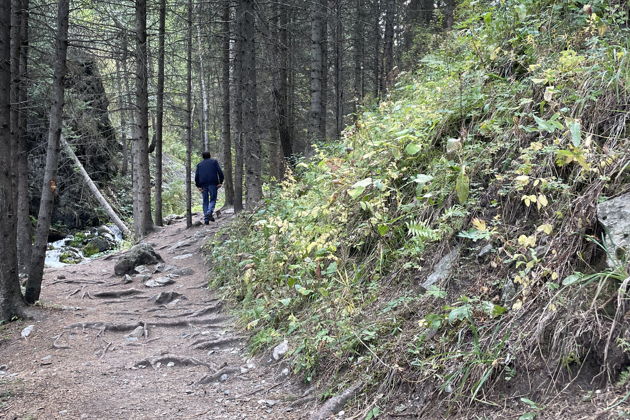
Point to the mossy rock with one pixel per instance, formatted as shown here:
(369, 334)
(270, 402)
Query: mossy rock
(96, 245)
(70, 257)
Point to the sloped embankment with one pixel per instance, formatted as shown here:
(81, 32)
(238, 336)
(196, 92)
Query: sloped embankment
(450, 249)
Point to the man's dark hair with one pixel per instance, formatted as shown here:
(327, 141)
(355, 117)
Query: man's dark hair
(206, 155)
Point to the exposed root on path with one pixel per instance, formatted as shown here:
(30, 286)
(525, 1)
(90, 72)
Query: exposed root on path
(104, 326)
(166, 360)
(118, 293)
(217, 376)
(216, 343)
(336, 403)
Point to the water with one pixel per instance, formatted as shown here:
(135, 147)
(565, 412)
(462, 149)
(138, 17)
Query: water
(59, 247)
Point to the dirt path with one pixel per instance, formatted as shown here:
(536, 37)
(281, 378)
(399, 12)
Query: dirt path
(94, 356)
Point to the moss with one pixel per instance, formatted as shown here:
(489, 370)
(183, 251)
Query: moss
(70, 257)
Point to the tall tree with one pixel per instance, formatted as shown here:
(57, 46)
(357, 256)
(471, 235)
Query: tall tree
(143, 222)
(49, 187)
(339, 45)
(376, 63)
(359, 52)
(388, 47)
(159, 117)
(324, 66)
(189, 116)
(10, 295)
(238, 108)
(281, 81)
(317, 24)
(24, 226)
(251, 140)
(226, 138)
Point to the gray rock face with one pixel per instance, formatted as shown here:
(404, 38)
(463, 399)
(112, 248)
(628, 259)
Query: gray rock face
(443, 268)
(141, 254)
(614, 215)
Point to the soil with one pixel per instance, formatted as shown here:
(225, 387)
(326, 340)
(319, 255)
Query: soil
(93, 354)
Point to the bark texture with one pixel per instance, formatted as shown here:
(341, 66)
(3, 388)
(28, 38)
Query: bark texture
(159, 117)
(49, 187)
(226, 137)
(143, 222)
(10, 295)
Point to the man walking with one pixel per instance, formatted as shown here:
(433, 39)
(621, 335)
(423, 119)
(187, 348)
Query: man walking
(208, 179)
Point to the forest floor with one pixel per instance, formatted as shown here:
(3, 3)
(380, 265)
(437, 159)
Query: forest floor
(95, 353)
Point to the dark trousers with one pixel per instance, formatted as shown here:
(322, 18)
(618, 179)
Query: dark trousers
(209, 194)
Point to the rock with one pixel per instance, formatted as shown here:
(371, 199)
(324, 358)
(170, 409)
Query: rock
(508, 292)
(485, 251)
(142, 269)
(167, 297)
(614, 216)
(224, 377)
(61, 277)
(27, 331)
(159, 282)
(136, 333)
(142, 277)
(70, 256)
(126, 279)
(443, 268)
(170, 364)
(183, 257)
(140, 254)
(185, 271)
(181, 244)
(453, 146)
(96, 245)
(280, 350)
(55, 235)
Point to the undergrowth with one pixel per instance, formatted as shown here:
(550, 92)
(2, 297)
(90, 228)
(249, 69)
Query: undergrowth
(495, 151)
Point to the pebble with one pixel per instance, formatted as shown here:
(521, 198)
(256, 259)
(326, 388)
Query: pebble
(170, 364)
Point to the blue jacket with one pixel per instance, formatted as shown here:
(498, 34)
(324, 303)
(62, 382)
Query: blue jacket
(208, 173)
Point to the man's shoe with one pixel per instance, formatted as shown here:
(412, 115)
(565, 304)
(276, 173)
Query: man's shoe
(206, 222)
(211, 219)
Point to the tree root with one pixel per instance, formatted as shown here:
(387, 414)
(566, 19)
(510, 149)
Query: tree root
(215, 377)
(176, 360)
(77, 282)
(336, 403)
(59, 346)
(105, 326)
(204, 344)
(208, 310)
(118, 293)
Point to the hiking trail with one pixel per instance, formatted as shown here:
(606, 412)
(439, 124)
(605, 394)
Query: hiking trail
(106, 348)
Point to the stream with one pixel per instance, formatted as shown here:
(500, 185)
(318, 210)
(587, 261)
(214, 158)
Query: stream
(83, 246)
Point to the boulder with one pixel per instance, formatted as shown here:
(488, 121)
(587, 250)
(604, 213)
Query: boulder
(141, 254)
(96, 245)
(70, 256)
(443, 268)
(614, 216)
(159, 282)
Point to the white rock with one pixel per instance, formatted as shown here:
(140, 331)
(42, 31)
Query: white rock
(170, 364)
(280, 350)
(27, 331)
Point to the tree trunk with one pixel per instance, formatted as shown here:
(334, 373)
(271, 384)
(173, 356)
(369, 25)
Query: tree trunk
(338, 70)
(24, 226)
(376, 63)
(142, 216)
(317, 22)
(10, 296)
(449, 12)
(159, 117)
(49, 187)
(251, 140)
(281, 81)
(204, 93)
(359, 48)
(94, 188)
(324, 66)
(238, 110)
(226, 139)
(388, 48)
(189, 117)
